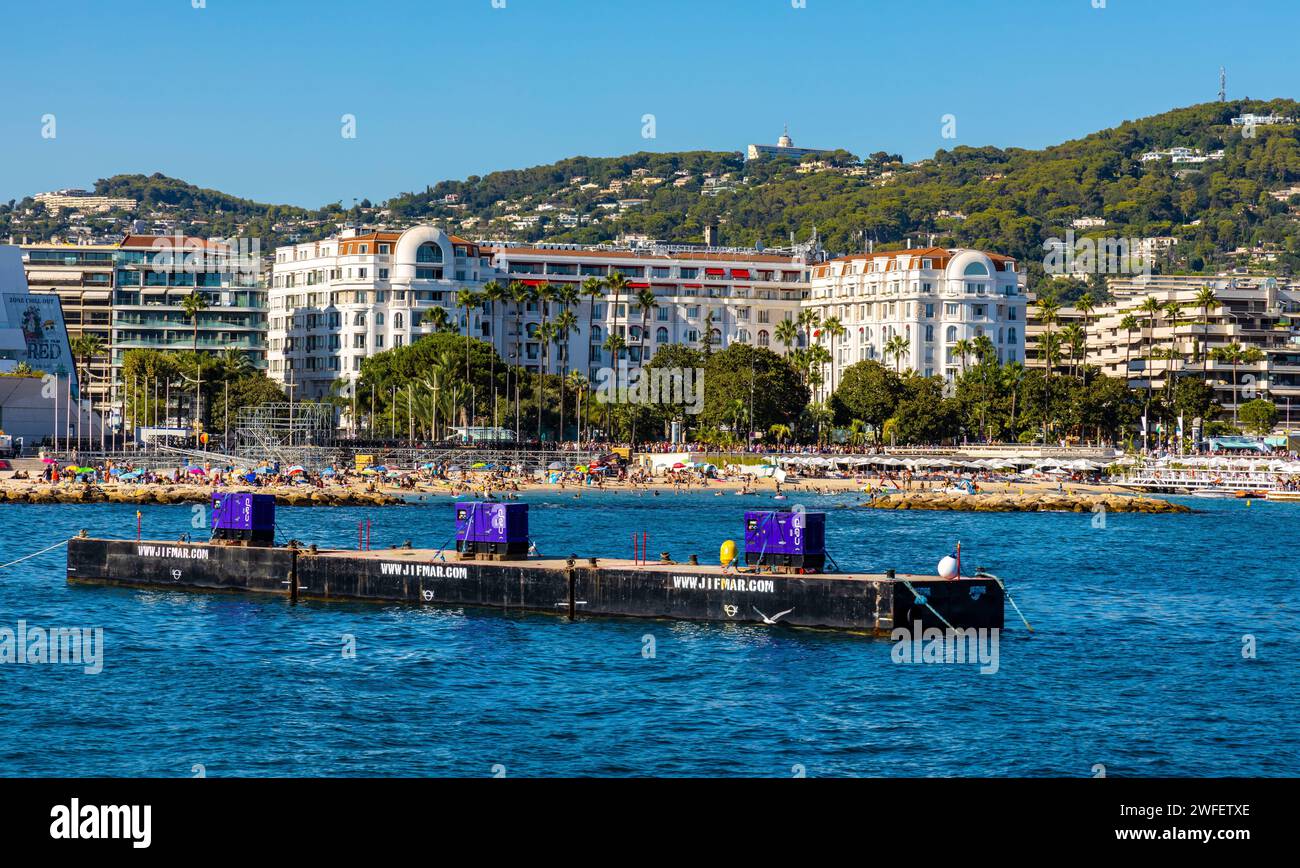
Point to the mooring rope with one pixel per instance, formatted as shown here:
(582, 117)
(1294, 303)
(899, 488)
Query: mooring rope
(34, 554)
(1007, 594)
(925, 601)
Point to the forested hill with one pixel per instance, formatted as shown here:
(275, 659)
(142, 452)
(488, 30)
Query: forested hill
(1007, 200)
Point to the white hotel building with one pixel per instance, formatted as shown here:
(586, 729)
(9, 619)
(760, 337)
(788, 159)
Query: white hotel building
(932, 297)
(335, 302)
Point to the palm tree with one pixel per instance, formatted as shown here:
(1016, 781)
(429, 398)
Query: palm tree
(578, 384)
(787, 333)
(1235, 354)
(1151, 307)
(708, 333)
(646, 300)
(546, 333)
(614, 345)
(781, 432)
(962, 349)
(85, 347)
(495, 295)
(519, 294)
(1129, 324)
(564, 325)
(1074, 337)
(616, 283)
(191, 305)
(834, 328)
(467, 300)
(897, 346)
(1085, 305)
(436, 318)
(808, 320)
(1205, 299)
(235, 364)
(544, 294)
(1049, 310)
(593, 288)
(1013, 374)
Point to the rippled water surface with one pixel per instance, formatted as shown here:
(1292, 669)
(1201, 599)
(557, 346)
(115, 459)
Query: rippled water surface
(1136, 663)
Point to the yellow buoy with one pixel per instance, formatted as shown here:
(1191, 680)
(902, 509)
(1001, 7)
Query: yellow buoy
(728, 553)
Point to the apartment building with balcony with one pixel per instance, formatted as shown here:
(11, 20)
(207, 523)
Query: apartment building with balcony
(700, 293)
(339, 300)
(336, 301)
(82, 277)
(1250, 310)
(931, 298)
(152, 276)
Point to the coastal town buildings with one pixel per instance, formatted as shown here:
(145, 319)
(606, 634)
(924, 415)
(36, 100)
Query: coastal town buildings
(84, 201)
(82, 278)
(918, 309)
(1251, 311)
(336, 301)
(130, 295)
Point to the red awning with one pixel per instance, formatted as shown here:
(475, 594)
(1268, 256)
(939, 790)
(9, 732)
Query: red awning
(533, 282)
(715, 272)
(692, 286)
(638, 286)
(740, 272)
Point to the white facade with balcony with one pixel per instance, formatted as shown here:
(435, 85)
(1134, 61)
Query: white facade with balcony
(931, 298)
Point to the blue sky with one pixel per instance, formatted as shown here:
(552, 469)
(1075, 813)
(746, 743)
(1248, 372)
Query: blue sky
(246, 96)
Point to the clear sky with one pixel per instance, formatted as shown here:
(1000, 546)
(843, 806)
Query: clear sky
(247, 96)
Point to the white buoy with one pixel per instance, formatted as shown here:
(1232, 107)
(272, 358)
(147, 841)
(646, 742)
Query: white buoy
(948, 567)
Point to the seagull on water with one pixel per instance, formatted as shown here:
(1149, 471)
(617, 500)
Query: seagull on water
(772, 620)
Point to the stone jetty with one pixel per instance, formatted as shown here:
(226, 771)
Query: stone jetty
(1037, 501)
(286, 495)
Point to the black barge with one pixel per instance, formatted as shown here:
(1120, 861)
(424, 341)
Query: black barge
(864, 603)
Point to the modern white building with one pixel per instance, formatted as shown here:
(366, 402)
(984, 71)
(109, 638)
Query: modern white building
(784, 148)
(931, 298)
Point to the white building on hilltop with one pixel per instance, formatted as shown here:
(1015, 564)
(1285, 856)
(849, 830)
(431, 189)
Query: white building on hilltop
(784, 147)
(930, 299)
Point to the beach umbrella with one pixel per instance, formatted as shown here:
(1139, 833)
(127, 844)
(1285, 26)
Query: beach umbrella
(297, 468)
(196, 471)
(555, 465)
(581, 468)
(428, 465)
(328, 471)
(478, 465)
(679, 466)
(455, 468)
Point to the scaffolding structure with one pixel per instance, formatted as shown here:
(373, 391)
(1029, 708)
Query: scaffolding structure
(283, 432)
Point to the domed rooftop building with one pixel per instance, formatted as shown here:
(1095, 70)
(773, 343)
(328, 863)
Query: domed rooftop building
(912, 309)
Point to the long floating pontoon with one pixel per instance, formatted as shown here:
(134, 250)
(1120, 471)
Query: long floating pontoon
(776, 586)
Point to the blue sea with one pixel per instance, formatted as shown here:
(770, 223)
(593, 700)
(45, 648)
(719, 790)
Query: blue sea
(1135, 666)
